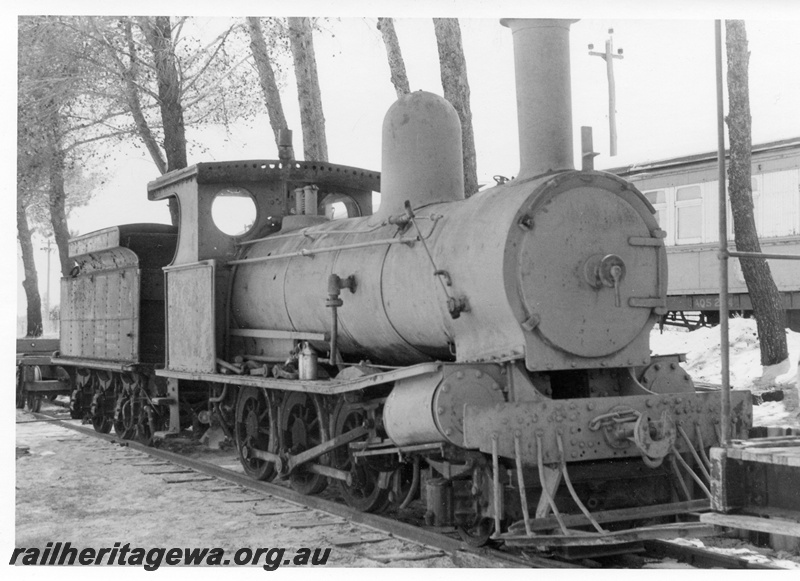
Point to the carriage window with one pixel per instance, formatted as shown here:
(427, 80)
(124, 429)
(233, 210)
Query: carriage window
(689, 214)
(234, 211)
(659, 200)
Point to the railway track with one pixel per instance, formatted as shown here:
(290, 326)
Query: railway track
(430, 544)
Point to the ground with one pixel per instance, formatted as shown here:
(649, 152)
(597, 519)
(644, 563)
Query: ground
(121, 495)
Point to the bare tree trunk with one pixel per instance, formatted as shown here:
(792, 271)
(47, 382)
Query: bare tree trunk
(315, 145)
(266, 76)
(56, 194)
(31, 282)
(129, 74)
(456, 90)
(767, 304)
(159, 35)
(397, 66)
(58, 212)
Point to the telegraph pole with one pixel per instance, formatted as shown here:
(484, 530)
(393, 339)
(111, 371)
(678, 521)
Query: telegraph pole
(609, 57)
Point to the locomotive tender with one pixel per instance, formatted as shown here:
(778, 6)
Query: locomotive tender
(491, 353)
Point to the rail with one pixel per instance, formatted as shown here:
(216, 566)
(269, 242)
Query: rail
(407, 531)
(316, 235)
(313, 252)
(409, 240)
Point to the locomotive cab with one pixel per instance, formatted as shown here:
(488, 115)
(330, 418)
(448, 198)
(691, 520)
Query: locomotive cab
(198, 279)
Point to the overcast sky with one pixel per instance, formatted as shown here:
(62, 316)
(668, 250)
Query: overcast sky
(665, 84)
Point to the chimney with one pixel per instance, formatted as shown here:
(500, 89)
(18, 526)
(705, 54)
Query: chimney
(544, 99)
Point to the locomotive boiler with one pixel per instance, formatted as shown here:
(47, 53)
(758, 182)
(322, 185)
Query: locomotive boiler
(489, 353)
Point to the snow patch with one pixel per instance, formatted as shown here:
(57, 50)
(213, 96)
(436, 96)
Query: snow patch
(702, 351)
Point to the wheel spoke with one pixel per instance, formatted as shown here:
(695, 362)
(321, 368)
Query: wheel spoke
(252, 422)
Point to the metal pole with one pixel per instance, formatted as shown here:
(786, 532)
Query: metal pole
(48, 249)
(612, 98)
(723, 249)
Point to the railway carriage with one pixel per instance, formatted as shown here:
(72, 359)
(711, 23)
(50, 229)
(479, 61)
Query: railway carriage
(684, 193)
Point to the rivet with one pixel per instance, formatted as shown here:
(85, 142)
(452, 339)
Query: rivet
(603, 364)
(478, 373)
(445, 388)
(582, 445)
(590, 406)
(657, 367)
(448, 432)
(460, 375)
(574, 364)
(673, 365)
(574, 454)
(649, 403)
(440, 410)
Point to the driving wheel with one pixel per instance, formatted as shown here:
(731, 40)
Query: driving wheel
(254, 429)
(363, 493)
(303, 427)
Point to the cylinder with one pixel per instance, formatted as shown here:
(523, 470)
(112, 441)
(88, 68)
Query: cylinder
(421, 157)
(408, 414)
(544, 98)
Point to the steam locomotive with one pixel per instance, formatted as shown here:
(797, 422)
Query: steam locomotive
(489, 353)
